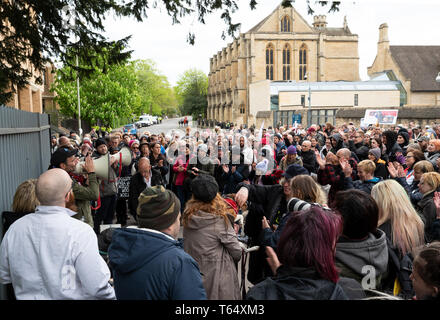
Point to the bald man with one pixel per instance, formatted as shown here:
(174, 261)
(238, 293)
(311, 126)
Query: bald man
(143, 178)
(50, 255)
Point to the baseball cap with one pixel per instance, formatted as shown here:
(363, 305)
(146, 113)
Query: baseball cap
(61, 155)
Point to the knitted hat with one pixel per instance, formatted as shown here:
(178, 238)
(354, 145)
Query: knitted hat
(99, 142)
(158, 208)
(294, 170)
(204, 188)
(291, 150)
(375, 152)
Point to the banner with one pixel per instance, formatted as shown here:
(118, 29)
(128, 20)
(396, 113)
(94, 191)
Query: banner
(123, 187)
(380, 116)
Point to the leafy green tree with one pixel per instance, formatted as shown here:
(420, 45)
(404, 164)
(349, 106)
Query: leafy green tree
(192, 91)
(36, 32)
(154, 89)
(105, 97)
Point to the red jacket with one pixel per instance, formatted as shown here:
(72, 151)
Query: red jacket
(180, 176)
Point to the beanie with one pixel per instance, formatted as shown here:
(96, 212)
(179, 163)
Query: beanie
(291, 150)
(158, 208)
(204, 188)
(375, 152)
(99, 142)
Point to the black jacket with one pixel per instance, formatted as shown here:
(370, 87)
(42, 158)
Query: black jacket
(294, 283)
(428, 213)
(137, 185)
(365, 186)
(270, 197)
(359, 149)
(309, 161)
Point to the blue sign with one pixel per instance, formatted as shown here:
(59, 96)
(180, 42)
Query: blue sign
(297, 118)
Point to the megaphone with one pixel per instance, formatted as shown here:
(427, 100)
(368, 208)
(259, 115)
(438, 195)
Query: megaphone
(102, 164)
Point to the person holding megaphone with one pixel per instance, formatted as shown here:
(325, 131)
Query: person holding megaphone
(85, 187)
(107, 188)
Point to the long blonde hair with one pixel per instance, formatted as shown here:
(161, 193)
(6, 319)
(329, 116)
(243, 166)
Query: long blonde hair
(407, 228)
(25, 199)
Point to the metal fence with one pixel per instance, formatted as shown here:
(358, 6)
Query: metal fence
(24, 153)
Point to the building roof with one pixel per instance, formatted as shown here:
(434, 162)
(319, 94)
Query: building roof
(370, 85)
(427, 112)
(420, 64)
(337, 32)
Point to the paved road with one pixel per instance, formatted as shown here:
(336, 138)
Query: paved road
(167, 126)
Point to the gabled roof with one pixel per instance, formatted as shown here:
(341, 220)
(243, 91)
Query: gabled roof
(420, 64)
(337, 32)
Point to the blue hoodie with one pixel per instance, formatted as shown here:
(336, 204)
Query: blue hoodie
(149, 265)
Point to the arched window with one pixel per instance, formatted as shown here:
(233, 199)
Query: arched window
(269, 62)
(286, 62)
(302, 62)
(285, 24)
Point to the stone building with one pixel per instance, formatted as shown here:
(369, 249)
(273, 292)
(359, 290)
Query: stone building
(416, 68)
(282, 47)
(35, 97)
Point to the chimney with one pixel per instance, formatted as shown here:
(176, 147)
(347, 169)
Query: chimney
(383, 34)
(345, 26)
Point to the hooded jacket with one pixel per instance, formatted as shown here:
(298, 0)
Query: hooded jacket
(352, 256)
(427, 211)
(215, 247)
(294, 283)
(339, 142)
(365, 186)
(150, 265)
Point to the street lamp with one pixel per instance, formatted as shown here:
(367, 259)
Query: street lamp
(309, 111)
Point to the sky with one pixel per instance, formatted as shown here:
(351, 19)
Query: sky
(410, 22)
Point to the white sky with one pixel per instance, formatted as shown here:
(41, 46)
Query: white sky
(410, 22)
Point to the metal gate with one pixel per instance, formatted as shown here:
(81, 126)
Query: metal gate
(24, 154)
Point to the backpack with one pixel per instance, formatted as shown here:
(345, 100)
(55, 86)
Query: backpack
(400, 269)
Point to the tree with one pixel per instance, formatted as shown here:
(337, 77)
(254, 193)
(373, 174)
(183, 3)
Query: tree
(154, 89)
(104, 96)
(192, 91)
(34, 32)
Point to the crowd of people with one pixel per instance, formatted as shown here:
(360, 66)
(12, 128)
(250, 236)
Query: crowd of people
(335, 212)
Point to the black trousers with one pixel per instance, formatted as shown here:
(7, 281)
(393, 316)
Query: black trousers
(105, 213)
(121, 211)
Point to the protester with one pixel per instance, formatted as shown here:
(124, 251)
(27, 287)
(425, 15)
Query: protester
(24, 202)
(429, 184)
(49, 255)
(211, 240)
(290, 158)
(361, 243)
(148, 262)
(381, 171)
(303, 192)
(304, 265)
(403, 227)
(85, 188)
(367, 180)
(145, 177)
(308, 156)
(107, 189)
(426, 273)
(433, 152)
(357, 145)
